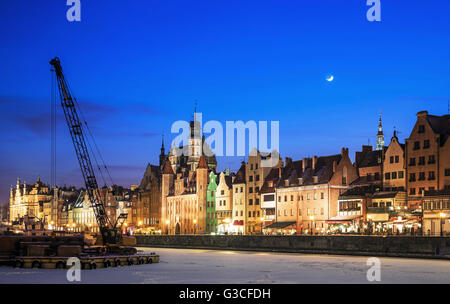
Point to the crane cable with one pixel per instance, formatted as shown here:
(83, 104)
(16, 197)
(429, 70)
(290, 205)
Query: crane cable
(53, 130)
(94, 142)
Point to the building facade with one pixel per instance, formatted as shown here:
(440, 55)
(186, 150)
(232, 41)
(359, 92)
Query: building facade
(224, 203)
(428, 157)
(239, 202)
(211, 218)
(309, 189)
(436, 213)
(27, 201)
(184, 199)
(394, 166)
(255, 176)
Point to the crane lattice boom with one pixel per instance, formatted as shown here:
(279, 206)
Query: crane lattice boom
(109, 232)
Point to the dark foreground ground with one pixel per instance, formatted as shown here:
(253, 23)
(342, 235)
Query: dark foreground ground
(231, 267)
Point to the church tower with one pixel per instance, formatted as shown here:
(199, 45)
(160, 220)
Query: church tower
(162, 156)
(166, 185)
(380, 135)
(202, 185)
(194, 149)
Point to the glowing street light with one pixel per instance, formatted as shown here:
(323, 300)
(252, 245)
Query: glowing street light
(442, 215)
(195, 225)
(311, 217)
(261, 219)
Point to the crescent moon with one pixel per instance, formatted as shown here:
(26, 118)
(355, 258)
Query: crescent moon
(330, 79)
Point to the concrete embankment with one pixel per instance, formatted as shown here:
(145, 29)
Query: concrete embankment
(391, 246)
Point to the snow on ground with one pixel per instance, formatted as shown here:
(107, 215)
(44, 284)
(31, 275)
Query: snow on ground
(221, 266)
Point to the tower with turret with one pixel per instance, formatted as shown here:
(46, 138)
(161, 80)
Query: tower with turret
(166, 185)
(201, 185)
(380, 135)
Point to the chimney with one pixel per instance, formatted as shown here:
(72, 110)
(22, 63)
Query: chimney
(287, 161)
(344, 151)
(422, 113)
(315, 179)
(279, 172)
(314, 162)
(286, 182)
(300, 180)
(334, 166)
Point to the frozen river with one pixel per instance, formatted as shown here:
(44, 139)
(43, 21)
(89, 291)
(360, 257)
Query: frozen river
(231, 267)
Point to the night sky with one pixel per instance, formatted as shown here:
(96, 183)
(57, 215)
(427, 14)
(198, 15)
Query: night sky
(138, 66)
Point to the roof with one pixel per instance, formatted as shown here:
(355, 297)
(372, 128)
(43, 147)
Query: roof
(202, 163)
(323, 170)
(370, 159)
(240, 175)
(167, 168)
(229, 181)
(270, 181)
(279, 225)
(359, 191)
(440, 125)
(443, 192)
(151, 173)
(385, 194)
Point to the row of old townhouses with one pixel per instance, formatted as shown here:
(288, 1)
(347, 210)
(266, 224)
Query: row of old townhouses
(395, 188)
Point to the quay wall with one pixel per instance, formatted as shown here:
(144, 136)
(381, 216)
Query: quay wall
(394, 246)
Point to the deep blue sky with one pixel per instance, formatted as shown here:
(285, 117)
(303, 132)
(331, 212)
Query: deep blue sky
(137, 66)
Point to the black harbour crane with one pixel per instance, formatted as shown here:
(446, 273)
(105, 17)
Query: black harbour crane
(110, 232)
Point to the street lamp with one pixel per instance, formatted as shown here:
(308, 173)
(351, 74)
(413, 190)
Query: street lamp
(167, 228)
(262, 223)
(442, 216)
(312, 223)
(369, 224)
(227, 222)
(195, 225)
